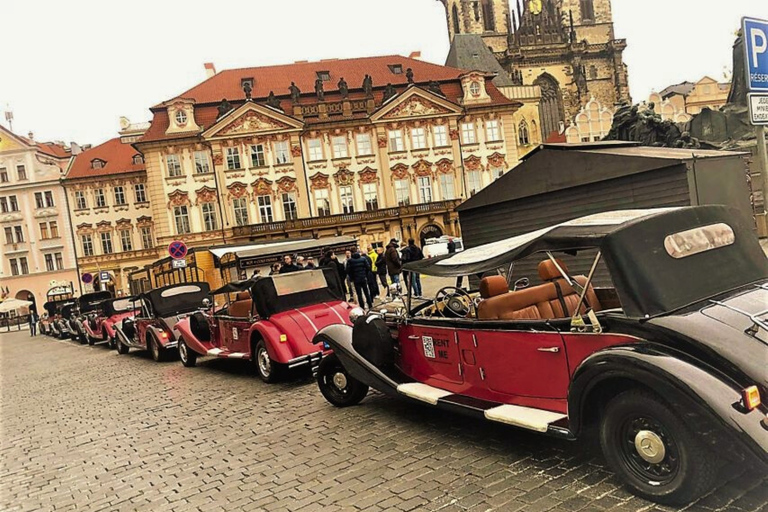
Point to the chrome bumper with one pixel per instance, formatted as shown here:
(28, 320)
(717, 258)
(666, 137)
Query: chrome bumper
(311, 359)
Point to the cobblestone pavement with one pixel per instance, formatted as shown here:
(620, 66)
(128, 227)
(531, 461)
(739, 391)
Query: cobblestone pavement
(84, 428)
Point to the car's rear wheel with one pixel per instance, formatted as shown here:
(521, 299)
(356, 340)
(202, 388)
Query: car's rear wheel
(337, 385)
(158, 353)
(187, 355)
(121, 347)
(266, 368)
(654, 451)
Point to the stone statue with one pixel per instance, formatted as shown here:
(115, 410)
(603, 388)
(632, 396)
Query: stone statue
(738, 93)
(580, 77)
(368, 86)
(224, 107)
(389, 92)
(434, 87)
(272, 100)
(319, 90)
(409, 75)
(343, 88)
(295, 93)
(247, 89)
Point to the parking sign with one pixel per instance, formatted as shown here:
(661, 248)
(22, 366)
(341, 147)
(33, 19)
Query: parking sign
(756, 46)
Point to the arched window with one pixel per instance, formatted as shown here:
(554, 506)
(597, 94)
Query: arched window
(489, 23)
(587, 10)
(523, 137)
(551, 111)
(138, 159)
(456, 26)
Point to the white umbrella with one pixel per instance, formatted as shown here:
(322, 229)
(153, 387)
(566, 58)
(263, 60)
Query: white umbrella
(9, 305)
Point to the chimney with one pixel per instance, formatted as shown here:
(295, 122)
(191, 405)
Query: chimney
(76, 149)
(31, 136)
(415, 55)
(210, 69)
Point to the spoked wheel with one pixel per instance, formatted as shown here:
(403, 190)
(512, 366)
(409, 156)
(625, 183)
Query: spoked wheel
(266, 368)
(187, 355)
(156, 350)
(338, 386)
(655, 452)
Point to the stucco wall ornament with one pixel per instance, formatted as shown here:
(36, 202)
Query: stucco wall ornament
(286, 184)
(400, 171)
(422, 168)
(252, 122)
(177, 198)
(444, 166)
(319, 181)
(472, 163)
(237, 189)
(262, 187)
(344, 177)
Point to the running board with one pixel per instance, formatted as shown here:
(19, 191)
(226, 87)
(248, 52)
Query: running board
(217, 352)
(537, 420)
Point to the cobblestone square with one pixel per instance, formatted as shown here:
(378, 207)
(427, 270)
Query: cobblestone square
(83, 428)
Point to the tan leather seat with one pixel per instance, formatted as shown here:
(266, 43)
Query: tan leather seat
(536, 303)
(242, 306)
(570, 297)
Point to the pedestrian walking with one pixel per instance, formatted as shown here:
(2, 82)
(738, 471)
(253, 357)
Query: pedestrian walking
(393, 261)
(288, 265)
(413, 253)
(33, 319)
(358, 269)
(381, 268)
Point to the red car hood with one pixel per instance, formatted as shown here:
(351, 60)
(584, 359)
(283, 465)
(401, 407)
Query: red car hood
(301, 325)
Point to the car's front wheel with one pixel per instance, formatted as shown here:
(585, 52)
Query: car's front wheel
(654, 451)
(267, 369)
(187, 355)
(337, 385)
(121, 347)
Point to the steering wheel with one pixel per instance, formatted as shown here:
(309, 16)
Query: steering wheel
(451, 298)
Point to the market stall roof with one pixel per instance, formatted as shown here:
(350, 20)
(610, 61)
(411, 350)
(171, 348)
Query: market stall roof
(292, 246)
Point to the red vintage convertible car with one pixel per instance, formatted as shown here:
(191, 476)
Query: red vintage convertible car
(271, 322)
(86, 323)
(115, 311)
(669, 361)
(154, 327)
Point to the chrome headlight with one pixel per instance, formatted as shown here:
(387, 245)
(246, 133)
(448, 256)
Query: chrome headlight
(356, 313)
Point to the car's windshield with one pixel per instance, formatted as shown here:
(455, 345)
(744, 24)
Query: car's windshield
(287, 284)
(123, 305)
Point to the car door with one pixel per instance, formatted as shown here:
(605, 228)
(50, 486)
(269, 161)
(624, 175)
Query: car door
(234, 333)
(430, 353)
(522, 361)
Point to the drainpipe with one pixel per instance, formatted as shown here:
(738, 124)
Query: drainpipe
(306, 174)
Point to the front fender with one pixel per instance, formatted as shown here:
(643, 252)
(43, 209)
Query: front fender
(190, 339)
(339, 338)
(280, 352)
(708, 401)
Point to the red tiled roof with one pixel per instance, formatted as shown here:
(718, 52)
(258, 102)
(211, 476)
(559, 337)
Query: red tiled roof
(118, 158)
(53, 149)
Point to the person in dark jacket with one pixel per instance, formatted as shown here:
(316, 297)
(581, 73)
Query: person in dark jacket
(330, 260)
(288, 265)
(413, 253)
(381, 268)
(451, 246)
(392, 259)
(358, 269)
(33, 319)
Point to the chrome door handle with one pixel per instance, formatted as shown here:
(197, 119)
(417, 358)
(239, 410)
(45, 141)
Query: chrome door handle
(413, 337)
(549, 349)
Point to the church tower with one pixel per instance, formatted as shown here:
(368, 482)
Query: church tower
(488, 18)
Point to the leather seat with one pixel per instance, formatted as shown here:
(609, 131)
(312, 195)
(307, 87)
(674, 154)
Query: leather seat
(570, 297)
(242, 306)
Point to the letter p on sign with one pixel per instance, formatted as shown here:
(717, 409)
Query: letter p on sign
(759, 44)
(756, 53)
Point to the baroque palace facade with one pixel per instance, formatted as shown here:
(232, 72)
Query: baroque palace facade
(110, 211)
(565, 47)
(377, 148)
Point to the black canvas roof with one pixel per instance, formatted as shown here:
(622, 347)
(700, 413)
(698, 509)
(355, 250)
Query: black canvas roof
(90, 301)
(120, 305)
(176, 298)
(234, 287)
(269, 302)
(552, 167)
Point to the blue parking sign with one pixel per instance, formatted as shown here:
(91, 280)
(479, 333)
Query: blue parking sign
(756, 47)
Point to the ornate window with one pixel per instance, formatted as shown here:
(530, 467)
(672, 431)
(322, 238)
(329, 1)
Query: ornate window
(181, 117)
(97, 164)
(174, 165)
(496, 172)
(233, 159)
(396, 141)
(403, 192)
(347, 199)
(322, 203)
(282, 152)
(364, 146)
(551, 111)
(181, 219)
(468, 135)
(587, 10)
(371, 196)
(492, 131)
(21, 172)
(440, 133)
(257, 156)
(87, 241)
(265, 208)
(418, 138)
(425, 189)
(340, 146)
(126, 241)
(147, 241)
(240, 207)
(120, 196)
(81, 203)
(140, 192)
(210, 221)
(456, 22)
(100, 198)
(106, 242)
(138, 159)
(523, 137)
(315, 147)
(474, 181)
(289, 206)
(489, 23)
(447, 187)
(201, 162)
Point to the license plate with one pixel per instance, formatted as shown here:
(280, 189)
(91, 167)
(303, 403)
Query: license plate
(429, 346)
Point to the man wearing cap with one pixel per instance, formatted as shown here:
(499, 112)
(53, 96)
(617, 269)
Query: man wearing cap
(392, 258)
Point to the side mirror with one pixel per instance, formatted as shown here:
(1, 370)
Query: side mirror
(521, 283)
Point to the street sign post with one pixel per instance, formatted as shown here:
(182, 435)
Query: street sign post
(104, 276)
(758, 108)
(177, 250)
(87, 278)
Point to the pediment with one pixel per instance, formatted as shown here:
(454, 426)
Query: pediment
(9, 141)
(251, 119)
(415, 103)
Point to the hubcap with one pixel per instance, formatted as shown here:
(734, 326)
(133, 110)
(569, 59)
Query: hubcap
(650, 446)
(265, 365)
(340, 380)
(155, 350)
(183, 351)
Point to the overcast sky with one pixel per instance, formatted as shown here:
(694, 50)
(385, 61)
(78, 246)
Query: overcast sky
(70, 69)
